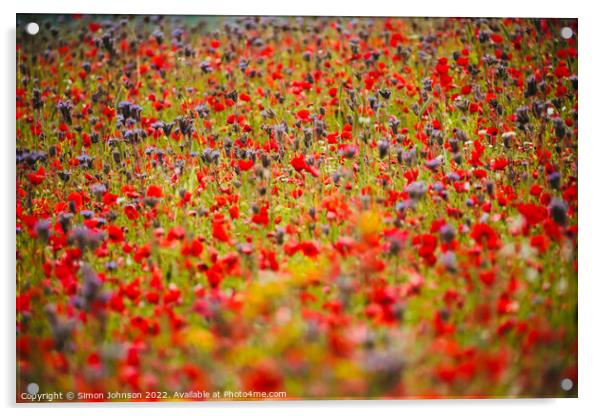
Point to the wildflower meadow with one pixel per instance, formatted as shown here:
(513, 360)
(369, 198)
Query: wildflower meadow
(288, 208)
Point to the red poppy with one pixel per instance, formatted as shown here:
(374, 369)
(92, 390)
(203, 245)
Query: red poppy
(245, 165)
(219, 230)
(299, 164)
(115, 234)
(154, 191)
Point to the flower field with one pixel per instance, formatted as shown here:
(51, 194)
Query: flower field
(296, 208)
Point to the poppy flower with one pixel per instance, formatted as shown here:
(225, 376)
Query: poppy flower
(245, 165)
(154, 191)
(219, 230)
(37, 177)
(299, 164)
(115, 233)
(262, 217)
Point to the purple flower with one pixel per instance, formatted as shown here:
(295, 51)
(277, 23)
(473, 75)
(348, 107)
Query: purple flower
(84, 238)
(554, 180)
(433, 164)
(65, 108)
(558, 211)
(416, 190)
(42, 230)
(91, 286)
(447, 233)
(383, 148)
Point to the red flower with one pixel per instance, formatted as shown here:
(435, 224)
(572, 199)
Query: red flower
(116, 303)
(154, 191)
(115, 233)
(94, 27)
(268, 260)
(219, 230)
(264, 376)
(484, 234)
(142, 253)
(245, 164)
(534, 214)
(37, 177)
(109, 199)
(487, 277)
(214, 275)
(176, 233)
(499, 164)
(131, 212)
(309, 248)
(262, 217)
(303, 114)
(540, 242)
(299, 164)
(194, 248)
(427, 244)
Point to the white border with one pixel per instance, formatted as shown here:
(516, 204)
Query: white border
(590, 146)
